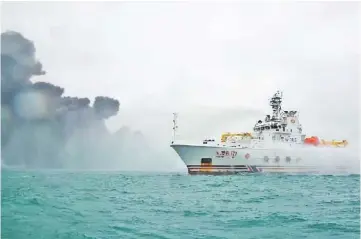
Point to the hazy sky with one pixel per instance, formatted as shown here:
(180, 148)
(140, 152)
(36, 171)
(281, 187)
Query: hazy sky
(160, 57)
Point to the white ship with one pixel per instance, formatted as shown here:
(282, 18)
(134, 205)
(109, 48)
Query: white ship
(276, 144)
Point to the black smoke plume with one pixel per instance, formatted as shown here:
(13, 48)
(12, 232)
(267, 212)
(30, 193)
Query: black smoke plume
(40, 127)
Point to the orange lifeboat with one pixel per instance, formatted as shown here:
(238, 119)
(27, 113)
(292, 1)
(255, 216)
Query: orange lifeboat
(312, 141)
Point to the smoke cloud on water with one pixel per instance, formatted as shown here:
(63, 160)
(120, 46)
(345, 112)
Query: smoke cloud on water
(42, 128)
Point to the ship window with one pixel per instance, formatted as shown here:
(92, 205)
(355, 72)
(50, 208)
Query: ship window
(206, 160)
(291, 130)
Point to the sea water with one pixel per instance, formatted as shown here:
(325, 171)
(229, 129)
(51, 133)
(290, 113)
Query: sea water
(54, 204)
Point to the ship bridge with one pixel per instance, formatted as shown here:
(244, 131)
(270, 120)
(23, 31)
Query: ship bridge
(281, 126)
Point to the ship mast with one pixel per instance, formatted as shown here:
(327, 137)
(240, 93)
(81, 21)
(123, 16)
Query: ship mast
(175, 126)
(275, 103)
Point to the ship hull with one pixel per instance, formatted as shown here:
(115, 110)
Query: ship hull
(213, 160)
